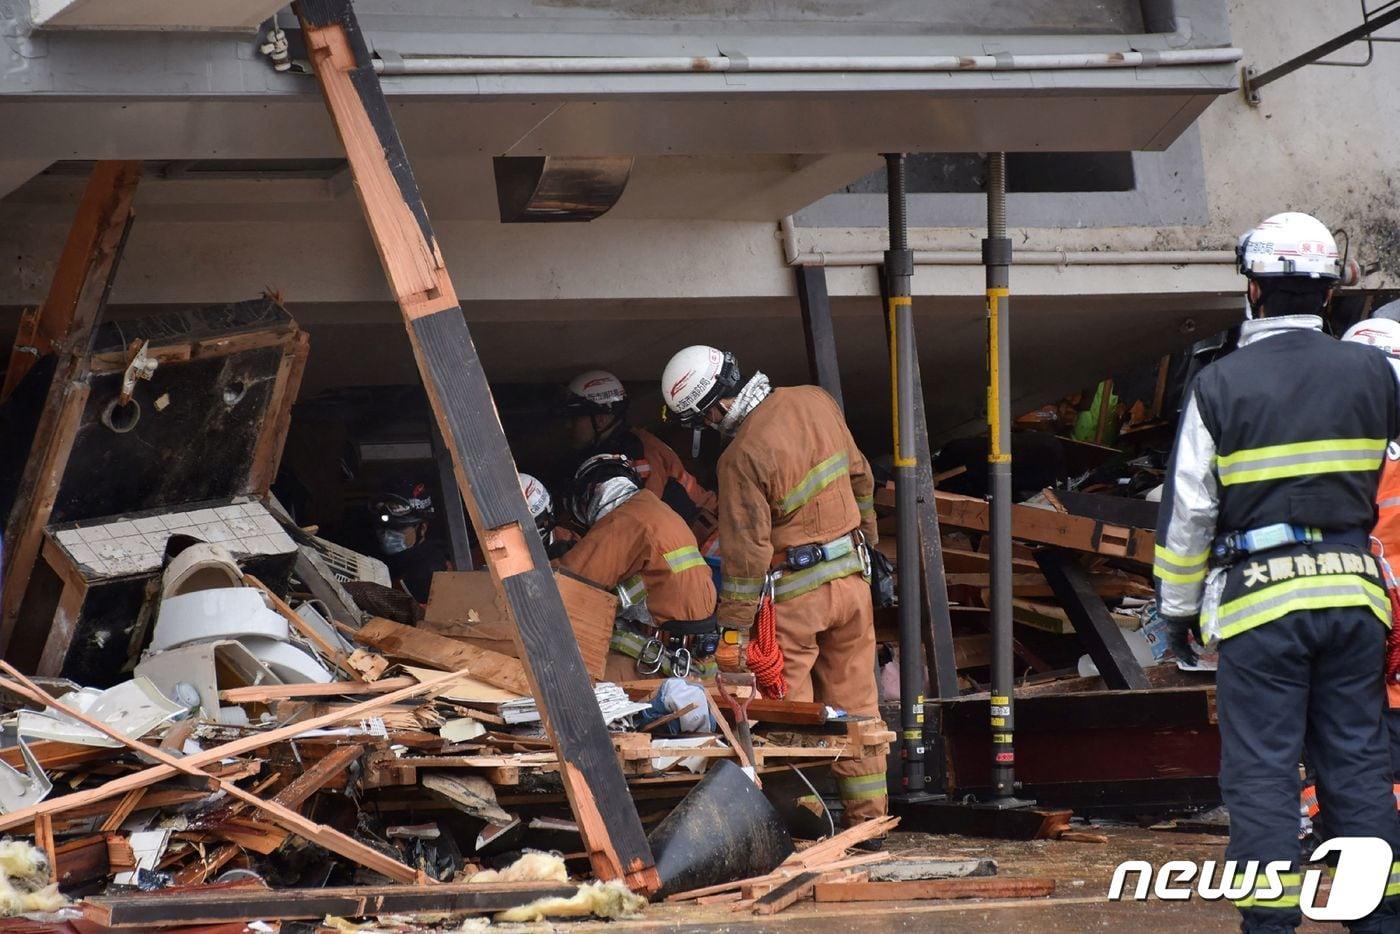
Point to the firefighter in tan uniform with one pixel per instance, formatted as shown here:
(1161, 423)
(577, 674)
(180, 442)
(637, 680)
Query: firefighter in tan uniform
(638, 546)
(596, 402)
(795, 505)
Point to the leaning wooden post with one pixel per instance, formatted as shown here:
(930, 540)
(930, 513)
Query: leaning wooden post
(466, 415)
(63, 326)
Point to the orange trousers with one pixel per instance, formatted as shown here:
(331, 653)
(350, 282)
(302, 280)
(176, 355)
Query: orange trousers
(828, 640)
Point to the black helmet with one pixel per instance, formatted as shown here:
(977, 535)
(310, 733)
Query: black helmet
(592, 479)
(402, 504)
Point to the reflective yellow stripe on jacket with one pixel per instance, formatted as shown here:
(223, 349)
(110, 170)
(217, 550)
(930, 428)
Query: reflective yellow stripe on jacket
(684, 558)
(795, 583)
(1303, 459)
(817, 479)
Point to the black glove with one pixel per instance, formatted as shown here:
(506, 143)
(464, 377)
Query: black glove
(1179, 630)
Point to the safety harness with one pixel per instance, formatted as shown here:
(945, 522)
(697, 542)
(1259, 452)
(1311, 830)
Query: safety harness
(675, 648)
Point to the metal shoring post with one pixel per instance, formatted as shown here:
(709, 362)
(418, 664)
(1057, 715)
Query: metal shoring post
(996, 256)
(899, 271)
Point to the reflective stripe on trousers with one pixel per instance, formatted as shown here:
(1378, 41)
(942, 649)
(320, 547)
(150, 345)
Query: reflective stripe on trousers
(862, 787)
(1292, 883)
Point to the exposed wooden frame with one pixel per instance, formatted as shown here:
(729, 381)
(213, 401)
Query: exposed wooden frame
(268, 453)
(76, 297)
(462, 405)
(84, 263)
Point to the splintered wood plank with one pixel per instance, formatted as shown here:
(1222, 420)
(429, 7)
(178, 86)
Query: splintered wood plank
(464, 409)
(212, 906)
(1048, 527)
(286, 818)
(156, 773)
(76, 296)
(318, 776)
(786, 894)
(429, 648)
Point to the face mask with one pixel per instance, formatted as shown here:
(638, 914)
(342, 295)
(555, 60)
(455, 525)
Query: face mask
(392, 541)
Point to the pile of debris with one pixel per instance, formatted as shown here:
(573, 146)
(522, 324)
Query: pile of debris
(263, 737)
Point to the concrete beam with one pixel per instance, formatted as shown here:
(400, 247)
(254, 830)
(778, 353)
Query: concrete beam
(204, 15)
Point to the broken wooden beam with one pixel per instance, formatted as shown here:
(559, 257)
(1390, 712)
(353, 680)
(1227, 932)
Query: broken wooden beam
(1098, 633)
(786, 894)
(318, 776)
(214, 906)
(1044, 526)
(464, 409)
(991, 887)
(429, 648)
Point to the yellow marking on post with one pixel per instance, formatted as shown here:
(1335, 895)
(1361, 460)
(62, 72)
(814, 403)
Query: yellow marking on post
(896, 302)
(998, 721)
(995, 455)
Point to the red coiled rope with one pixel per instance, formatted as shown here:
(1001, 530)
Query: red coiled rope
(765, 656)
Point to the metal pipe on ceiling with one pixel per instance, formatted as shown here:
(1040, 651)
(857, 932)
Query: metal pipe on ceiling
(795, 257)
(388, 62)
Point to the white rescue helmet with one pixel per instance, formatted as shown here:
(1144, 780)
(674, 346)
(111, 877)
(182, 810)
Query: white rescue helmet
(1380, 333)
(1289, 244)
(540, 503)
(695, 379)
(596, 392)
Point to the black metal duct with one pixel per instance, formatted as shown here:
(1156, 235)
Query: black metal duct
(536, 189)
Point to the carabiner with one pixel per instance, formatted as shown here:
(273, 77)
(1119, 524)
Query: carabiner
(650, 666)
(680, 663)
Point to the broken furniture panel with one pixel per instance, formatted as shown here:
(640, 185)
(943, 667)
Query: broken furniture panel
(83, 614)
(208, 424)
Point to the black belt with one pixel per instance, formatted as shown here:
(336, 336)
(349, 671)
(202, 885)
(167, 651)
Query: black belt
(689, 627)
